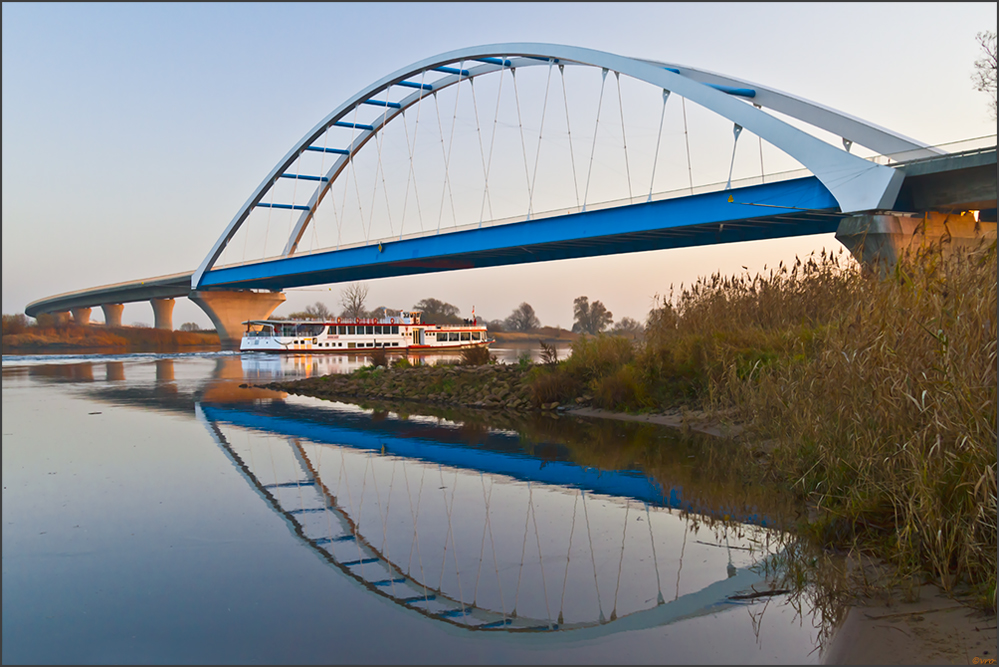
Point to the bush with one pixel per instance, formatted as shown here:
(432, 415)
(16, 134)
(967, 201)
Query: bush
(378, 357)
(14, 324)
(476, 356)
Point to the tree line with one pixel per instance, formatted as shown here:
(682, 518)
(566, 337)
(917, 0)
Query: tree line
(588, 317)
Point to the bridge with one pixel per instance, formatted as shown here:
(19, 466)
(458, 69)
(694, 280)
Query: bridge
(512, 153)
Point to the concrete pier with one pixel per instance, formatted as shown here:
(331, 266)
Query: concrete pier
(228, 309)
(163, 313)
(81, 315)
(112, 314)
(877, 240)
(60, 317)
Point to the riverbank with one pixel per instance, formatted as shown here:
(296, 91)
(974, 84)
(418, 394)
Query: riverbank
(76, 338)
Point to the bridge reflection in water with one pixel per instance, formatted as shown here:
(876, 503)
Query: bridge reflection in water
(482, 535)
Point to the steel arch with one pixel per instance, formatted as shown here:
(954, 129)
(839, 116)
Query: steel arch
(856, 184)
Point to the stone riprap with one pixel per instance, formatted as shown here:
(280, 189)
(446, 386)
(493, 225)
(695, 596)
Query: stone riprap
(492, 386)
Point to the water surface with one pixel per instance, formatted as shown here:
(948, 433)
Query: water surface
(154, 511)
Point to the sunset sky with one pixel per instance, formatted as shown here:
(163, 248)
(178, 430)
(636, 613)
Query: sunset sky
(132, 133)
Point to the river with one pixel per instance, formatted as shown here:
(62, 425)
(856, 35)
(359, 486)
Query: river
(154, 511)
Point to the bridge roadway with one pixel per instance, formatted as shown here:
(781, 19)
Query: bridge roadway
(954, 182)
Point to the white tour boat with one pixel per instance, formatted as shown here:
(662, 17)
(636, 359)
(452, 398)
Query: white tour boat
(404, 333)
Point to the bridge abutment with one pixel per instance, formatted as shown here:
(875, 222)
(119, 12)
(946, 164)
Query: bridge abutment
(877, 240)
(163, 313)
(228, 309)
(81, 315)
(112, 314)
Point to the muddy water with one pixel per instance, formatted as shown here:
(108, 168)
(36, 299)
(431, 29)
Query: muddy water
(154, 511)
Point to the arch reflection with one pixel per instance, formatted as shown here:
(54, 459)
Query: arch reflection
(483, 536)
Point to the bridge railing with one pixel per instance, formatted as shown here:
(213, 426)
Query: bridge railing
(964, 146)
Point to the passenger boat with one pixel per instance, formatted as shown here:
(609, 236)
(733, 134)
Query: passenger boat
(404, 333)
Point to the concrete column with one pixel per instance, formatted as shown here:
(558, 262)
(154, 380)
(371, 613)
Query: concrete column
(164, 370)
(112, 314)
(61, 317)
(229, 309)
(81, 315)
(877, 240)
(115, 371)
(163, 313)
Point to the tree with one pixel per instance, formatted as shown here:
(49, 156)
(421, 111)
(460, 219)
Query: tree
(317, 311)
(352, 298)
(438, 312)
(984, 76)
(522, 319)
(591, 318)
(383, 311)
(190, 326)
(628, 327)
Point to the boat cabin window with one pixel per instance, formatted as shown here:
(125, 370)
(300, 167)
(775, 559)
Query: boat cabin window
(310, 330)
(369, 330)
(475, 335)
(453, 336)
(465, 335)
(350, 331)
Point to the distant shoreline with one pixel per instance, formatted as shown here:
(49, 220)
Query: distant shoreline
(96, 339)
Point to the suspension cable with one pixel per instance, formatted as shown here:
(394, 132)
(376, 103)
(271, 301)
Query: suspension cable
(537, 155)
(523, 551)
(353, 171)
(624, 140)
(478, 132)
(737, 130)
(447, 154)
(568, 131)
(763, 174)
(659, 137)
(686, 140)
(596, 126)
(523, 145)
(412, 168)
(489, 163)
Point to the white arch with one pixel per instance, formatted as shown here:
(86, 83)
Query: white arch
(857, 184)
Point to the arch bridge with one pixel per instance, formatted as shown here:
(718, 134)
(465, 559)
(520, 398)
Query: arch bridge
(523, 152)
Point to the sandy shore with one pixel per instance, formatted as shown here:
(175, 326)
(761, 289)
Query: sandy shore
(935, 630)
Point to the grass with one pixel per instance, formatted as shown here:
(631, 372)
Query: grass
(878, 396)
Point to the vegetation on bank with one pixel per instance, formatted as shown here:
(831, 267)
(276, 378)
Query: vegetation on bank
(19, 336)
(877, 397)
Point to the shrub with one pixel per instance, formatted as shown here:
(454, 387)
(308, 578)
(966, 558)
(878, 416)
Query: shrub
(476, 356)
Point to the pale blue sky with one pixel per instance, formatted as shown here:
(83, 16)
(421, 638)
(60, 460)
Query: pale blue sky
(132, 133)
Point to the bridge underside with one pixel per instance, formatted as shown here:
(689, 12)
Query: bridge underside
(789, 208)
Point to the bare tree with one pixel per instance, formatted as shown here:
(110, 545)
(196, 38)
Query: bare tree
(522, 319)
(352, 298)
(984, 76)
(317, 311)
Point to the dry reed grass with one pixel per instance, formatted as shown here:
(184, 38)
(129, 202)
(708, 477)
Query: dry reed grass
(879, 395)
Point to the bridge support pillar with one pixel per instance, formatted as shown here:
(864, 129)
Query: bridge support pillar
(112, 314)
(877, 240)
(163, 313)
(60, 317)
(81, 315)
(229, 309)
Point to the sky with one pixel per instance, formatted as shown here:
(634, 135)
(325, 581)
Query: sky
(132, 133)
